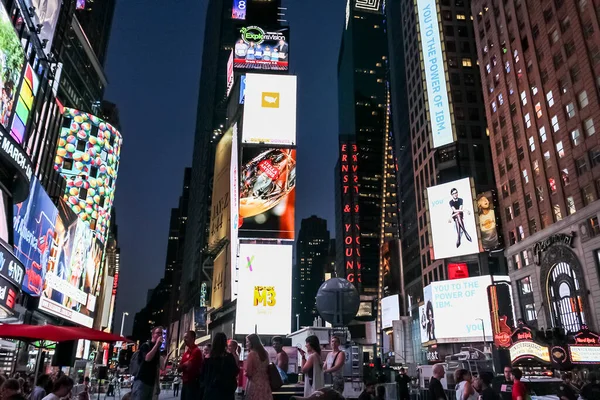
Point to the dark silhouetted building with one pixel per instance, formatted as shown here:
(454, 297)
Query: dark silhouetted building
(540, 68)
(312, 255)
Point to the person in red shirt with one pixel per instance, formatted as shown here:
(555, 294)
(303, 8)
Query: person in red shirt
(519, 391)
(191, 368)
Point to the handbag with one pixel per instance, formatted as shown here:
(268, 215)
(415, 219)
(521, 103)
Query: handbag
(274, 378)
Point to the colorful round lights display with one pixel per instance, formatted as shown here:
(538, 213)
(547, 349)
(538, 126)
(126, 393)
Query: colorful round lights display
(88, 158)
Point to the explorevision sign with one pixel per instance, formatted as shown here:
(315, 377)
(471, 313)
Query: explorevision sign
(14, 157)
(262, 49)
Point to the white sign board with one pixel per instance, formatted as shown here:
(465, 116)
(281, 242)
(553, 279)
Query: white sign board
(390, 311)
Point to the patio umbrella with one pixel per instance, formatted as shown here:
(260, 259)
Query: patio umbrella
(55, 333)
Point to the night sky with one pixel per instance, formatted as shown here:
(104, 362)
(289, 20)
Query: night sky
(153, 69)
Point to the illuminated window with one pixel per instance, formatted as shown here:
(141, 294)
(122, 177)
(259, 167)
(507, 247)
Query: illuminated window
(547, 159)
(524, 97)
(564, 175)
(467, 62)
(527, 120)
(525, 176)
(575, 137)
(560, 149)
(557, 212)
(570, 110)
(588, 126)
(500, 99)
(583, 99)
(550, 99)
(555, 126)
(543, 134)
(494, 108)
(460, 17)
(565, 297)
(538, 109)
(571, 205)
(531, 144)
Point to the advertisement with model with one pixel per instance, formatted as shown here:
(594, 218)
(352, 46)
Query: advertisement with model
(262, 48)
(267, 193)
(264, 303)
(45, 16)
(13, 58)
(445, 320)
(270, 110)
(435, 75)
(487, 221)
(452, 219)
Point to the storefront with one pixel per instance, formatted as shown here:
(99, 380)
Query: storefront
(555, 273)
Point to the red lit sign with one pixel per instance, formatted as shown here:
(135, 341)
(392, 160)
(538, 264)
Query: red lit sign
(350, 211)
(115, 284)
(458, 271)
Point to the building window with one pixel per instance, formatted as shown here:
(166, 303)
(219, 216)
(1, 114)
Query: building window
(536, 167)
(595, 156)
(516, 209)
(528, 201)
(509, 213)
(564, 298)
(547, 159)
(67, 164)
(539, 191)
(543, 134)
(524, 97)
(538, 110)
(467, 62)
(527, 120)
(554, 36)
(581, 165)
(550, 99)
(525, 285)
(531, 144)
(520, 153)
(588, 127)
(575, 137)
(589, 194)
(494, 108)
(570, 110)
(557, 213)
(545, 220)
(560, 150)
(574, 72)
(513, 186)
(520, 233)
(525, 176)
(532, 226)
(517, 261)
(555, 126)
(564, 175)
(552, 185)
(594, 226)
(583, 99)
(571, 205)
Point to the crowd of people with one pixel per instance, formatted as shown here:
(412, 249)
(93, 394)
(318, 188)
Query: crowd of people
(46, 387)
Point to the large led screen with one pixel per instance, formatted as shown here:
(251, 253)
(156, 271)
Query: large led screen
(435, 76)
(238, 10)
(264, 303)
(12, 59)
(88, 154)
(444, 318)
(267, 195)
(72, 270)
(262, 48)
(487, 221)
(270, 110)
(452, 219)
(27, 93)
(45, 15)
(33, 224)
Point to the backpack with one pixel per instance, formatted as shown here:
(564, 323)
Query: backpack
(135, 363)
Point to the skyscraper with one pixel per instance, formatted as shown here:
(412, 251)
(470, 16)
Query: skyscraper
(366, 144)
(468, 153)
(212, 102)
(312, 255)
(540, 66)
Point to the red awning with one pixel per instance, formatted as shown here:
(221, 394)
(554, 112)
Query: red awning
(55, 333)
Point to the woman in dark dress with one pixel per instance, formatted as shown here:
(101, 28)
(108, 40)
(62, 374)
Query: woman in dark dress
(220, 371)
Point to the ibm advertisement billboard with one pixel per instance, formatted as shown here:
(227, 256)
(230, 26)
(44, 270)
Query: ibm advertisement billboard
(437, 94)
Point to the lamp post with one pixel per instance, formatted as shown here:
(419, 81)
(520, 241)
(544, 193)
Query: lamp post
(123, 321)
(483, 330)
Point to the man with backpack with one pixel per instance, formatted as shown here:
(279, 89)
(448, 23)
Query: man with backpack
(144, 365)
(191, 368)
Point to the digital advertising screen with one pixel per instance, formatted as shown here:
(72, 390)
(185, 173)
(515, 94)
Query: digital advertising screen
(262, 48)
(390, 310)
(88, 156)
(392, 268)
(445, 302)
(238, 11)
(12, 59)
(221, 197)
(267, 195)
(452, 219)
(45, 14)
(27, 93)
(69, 273)
(487, 221)
(234, 180)
(242, 89)
(33, 223)
(5, 223)
(270, 109)
(264, 303)
(230, 76)
(435, 76)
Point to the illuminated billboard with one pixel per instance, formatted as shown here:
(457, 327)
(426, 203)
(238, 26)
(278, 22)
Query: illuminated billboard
(12, 59)
(435, 76)
(350, 210)
(45, 15)
(234, 179)
(444, 318)
(262, 48)
(487, 221)
(72, 270)
(230, 76)
(267, 195)
(33, 225)
(238, 11)
(264, 303)
(29, 89)
(270, 109)
(452, 219)
(390, 310)
(88, 158)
